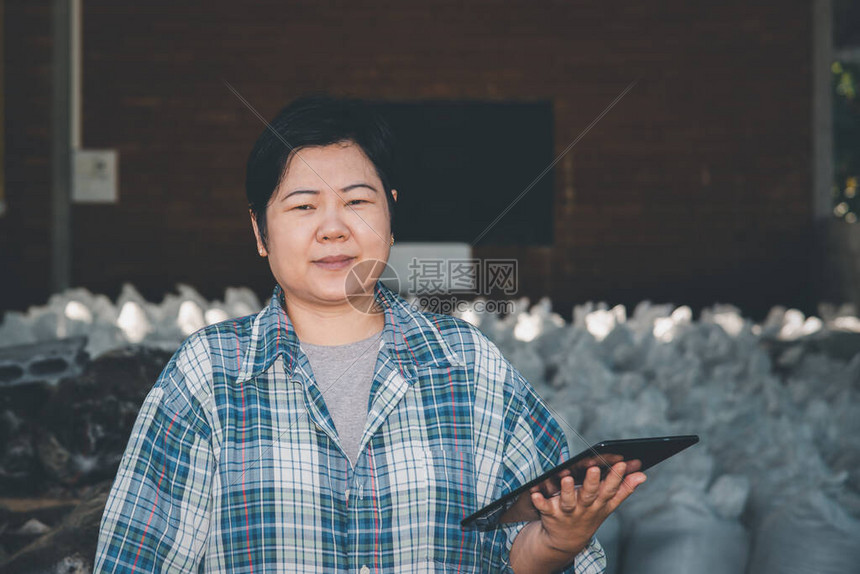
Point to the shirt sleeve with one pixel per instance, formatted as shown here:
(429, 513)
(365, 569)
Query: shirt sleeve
(157, 514)
(535, 444)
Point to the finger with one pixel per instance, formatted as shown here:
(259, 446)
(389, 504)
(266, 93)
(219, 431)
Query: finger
(550, 487)
(542, 504)
(592, 477)
(568, 495)
(634, 465)
(616, 474)
(590, 487)
(613, 481)
(630, 484)
(631, 481)
(611, 458)
(589, 461)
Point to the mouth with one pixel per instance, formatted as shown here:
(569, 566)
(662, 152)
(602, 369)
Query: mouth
(334, 262)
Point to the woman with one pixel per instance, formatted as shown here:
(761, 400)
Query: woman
(321, 435)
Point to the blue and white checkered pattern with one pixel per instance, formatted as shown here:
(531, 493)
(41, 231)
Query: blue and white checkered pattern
(234, 464)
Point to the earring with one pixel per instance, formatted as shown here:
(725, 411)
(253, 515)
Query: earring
(261, 251)
(392, 239)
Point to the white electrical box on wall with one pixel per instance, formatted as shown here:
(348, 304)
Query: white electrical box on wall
(95, 178)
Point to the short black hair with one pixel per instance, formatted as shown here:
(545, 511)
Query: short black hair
(315, 121)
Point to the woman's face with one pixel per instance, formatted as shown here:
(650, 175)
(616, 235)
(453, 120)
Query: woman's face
(329, 214)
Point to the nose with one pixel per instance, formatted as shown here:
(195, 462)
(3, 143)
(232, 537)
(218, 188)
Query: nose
(332, 227)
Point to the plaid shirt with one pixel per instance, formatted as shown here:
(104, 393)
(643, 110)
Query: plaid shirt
(234, 464)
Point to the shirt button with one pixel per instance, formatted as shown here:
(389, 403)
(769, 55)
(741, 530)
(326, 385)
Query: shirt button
(365, 570)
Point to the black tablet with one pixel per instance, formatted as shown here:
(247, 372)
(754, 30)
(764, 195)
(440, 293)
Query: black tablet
(639, 453)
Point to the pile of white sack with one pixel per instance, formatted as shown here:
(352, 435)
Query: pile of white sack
(773, 485)
(131, 320)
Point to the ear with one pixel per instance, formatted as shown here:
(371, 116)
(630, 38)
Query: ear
(261, 249)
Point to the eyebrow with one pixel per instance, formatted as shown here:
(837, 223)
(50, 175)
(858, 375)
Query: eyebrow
(346, 189)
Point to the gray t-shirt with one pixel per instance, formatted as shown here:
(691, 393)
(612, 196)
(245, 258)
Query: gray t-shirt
(344, 374)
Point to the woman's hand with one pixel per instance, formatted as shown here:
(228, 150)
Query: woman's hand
(569, 519)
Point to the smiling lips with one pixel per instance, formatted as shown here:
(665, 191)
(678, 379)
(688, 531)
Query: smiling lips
(334, 262)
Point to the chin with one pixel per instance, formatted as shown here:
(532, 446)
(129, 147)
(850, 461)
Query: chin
(331, 296)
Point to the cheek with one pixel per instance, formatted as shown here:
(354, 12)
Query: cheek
(286, 265)
(380, 222)
(285, 233)
(372, 234)
(284, 249)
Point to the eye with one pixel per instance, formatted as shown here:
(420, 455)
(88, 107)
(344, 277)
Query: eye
(357, 201)
(303, 207)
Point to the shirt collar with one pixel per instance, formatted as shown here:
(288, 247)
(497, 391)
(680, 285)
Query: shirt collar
(411, 337)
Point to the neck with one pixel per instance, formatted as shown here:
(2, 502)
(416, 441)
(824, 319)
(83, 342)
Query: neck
(338, 325)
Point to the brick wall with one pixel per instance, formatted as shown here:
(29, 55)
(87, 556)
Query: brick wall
(694, 188)
(24, 230)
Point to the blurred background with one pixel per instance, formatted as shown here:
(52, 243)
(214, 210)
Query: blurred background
(718, 177)
(677, 183)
